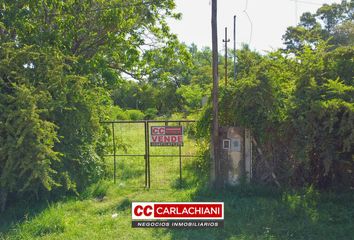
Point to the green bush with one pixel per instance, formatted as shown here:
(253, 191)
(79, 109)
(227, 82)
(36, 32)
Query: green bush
(135, 114)
(150, 113)
(118, 113)
(50, 135)
(301, 116)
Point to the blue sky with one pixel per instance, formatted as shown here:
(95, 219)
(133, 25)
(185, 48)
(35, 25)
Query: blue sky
(260, 23)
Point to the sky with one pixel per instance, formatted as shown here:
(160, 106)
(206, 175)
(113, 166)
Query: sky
(259, 23)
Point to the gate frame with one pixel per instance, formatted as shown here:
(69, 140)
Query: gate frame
(147, 154)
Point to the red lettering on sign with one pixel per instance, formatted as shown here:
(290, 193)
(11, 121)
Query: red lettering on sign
(168, 210)
(148, 211)
(178, 210)
(157, 130)
(166, 136)
(140, 210)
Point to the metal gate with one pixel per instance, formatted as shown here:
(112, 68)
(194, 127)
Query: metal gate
(137, 164)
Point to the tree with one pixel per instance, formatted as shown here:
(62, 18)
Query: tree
(58, 61)
(331, 23)
(102, 35)
(27, 134)
(300, 109)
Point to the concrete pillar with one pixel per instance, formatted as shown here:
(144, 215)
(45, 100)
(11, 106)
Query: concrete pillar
(235, 154)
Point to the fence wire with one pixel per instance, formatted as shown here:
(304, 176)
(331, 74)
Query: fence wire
(135, 163)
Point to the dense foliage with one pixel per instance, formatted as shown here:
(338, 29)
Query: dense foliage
(301, 111)
(299, 102)
(49, 123)
(60, 60)
(66, 65)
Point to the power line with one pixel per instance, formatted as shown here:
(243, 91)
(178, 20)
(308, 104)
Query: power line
(250, 21)
(251, 32)
(246, 6)
(306, 2)
(303, 2)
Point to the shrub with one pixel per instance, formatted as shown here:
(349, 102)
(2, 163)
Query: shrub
(118, 113)
(135, 114)
(150, 113)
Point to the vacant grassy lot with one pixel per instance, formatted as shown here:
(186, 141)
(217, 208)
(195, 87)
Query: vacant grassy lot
(251, 212)
(164, 170)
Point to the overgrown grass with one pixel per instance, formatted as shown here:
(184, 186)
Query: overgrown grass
(250, 213)
(164, 171)
(103, 211)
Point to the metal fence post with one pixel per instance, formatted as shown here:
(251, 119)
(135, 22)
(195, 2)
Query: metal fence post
(146, 154)
(114, 154)
(180, 160)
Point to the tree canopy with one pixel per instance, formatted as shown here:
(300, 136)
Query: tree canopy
(60, 60)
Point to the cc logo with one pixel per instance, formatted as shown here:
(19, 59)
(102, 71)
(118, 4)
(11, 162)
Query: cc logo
(143, 210)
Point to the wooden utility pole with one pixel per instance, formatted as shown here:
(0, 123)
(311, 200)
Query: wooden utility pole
(215, 164)
(226, 41)
(235, 47)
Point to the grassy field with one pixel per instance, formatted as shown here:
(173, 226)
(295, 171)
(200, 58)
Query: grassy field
(251, 212)
(164, 171)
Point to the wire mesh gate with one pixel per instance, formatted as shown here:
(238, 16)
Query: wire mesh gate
(136, 163)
